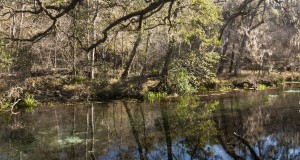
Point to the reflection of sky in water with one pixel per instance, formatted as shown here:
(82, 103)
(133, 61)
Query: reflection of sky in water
(295, 152)
(112, 154)
(269, 148)
(219, 153)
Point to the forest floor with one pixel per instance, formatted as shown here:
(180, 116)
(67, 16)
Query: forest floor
(77, 88)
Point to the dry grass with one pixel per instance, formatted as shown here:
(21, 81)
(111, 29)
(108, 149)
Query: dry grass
(73, 87)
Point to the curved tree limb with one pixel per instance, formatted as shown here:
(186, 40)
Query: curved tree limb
(247, 144)
(37, 36)
(12, 107)
(151, 7)
(148, 11)
(240, 12)
(54, 18)
(228, 150)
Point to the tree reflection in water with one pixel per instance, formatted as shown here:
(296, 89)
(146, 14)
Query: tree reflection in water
(188, 128)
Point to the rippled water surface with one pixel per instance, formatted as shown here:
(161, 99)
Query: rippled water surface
(188, 128)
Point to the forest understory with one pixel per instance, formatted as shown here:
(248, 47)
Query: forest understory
(95, 50)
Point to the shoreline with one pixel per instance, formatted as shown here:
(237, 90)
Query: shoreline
(66, 89)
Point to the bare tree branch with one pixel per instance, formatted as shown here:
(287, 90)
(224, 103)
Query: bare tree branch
(240, 12)
(245, 142)
(37, 36)
(153, 6)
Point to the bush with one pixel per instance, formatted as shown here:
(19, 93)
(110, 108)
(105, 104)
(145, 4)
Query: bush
(202, 88)
(155, 96)
(225, 89)
(5, 103)
(179, 81)
(28, 101)
(77, 79)
(261, 87)
(246, 86)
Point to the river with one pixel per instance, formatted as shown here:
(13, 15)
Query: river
(190, 127)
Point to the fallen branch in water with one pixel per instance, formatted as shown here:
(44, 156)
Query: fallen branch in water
(12, 107)
(228, 150)
(245, 142)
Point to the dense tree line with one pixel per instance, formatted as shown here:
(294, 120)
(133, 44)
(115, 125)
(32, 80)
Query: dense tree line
(260, 36)
(187, 41)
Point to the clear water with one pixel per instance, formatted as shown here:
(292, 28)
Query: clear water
(188, 128)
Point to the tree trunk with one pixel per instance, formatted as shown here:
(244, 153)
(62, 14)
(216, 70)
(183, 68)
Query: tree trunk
(237, 68)
(133, 53)
(165, 118)
(165, 70)
(94, 39)
(231, 60)
(144, 70)
(223, 58)
(74, 69)
(122, 50)
(135, 132)
(55, 50)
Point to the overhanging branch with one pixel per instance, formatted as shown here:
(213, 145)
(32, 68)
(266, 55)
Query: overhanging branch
(153, 6)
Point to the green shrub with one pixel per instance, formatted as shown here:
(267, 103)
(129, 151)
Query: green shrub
(245, 85)
(155, 96)
(262, 87)
(225, 89)
(279, 81)
(154, 71)
(28, 101)
(202, 88)
(77, 79)
(5, 103)
(179, 81)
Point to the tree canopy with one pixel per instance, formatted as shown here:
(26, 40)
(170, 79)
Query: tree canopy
(152, 37)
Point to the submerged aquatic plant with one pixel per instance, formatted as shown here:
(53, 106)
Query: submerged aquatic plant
(293, 91)
(68, 141)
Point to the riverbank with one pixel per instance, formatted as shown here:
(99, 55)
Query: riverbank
(78, 88)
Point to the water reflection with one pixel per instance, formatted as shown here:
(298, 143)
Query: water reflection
(190, 128)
